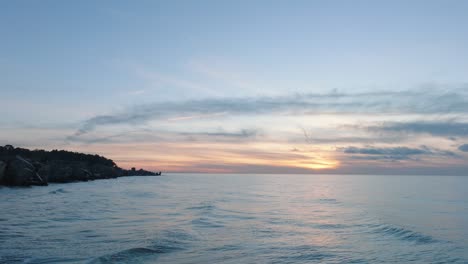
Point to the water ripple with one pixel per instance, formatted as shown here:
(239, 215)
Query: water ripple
(404, 234)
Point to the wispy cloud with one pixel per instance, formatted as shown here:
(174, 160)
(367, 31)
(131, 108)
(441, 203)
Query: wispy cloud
(437, 128)
(393, 153)
(399, 151)
(148, 135)
(405, 102)
(242, 134)
(190, 117)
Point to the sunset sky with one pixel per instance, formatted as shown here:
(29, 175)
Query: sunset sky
(351, 87)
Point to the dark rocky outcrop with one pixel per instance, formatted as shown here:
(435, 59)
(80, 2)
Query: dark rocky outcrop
(21, 172)
(23, 167)
(2, 170)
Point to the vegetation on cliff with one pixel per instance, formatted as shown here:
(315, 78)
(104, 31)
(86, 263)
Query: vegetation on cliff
(24, 167)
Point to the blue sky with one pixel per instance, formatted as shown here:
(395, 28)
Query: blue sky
(243, 86)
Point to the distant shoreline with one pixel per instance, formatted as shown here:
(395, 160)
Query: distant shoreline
(24, 167)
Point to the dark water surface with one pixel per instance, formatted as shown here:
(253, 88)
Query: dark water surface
(238, 219)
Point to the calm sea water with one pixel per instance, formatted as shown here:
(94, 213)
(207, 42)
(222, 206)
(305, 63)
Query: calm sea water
(238, 219)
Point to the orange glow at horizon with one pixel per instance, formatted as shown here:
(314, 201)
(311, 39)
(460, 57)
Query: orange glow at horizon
(218, 157)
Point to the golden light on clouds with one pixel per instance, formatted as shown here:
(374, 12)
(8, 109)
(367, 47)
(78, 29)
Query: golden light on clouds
(220, 157)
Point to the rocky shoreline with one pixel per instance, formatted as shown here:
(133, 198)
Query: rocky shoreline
(23, 167)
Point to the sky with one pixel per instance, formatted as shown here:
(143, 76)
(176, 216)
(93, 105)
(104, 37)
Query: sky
(348, 87)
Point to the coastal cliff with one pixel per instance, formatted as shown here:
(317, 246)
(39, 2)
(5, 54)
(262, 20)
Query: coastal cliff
(24, 167)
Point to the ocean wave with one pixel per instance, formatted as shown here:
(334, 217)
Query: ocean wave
(301, 257)
(232, 214)
(331, 226)
(205, 222)
(128, 255)
(203, 207)
(175, 238)
(136, 194)
(329, 201)
(302, 253)
(166, 242)
(227, 248)
(404, 234)
(58, 191)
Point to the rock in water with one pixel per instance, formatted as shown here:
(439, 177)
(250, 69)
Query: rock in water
(2, 171)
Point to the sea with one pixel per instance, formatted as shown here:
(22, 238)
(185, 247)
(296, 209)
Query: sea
(247, 218)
